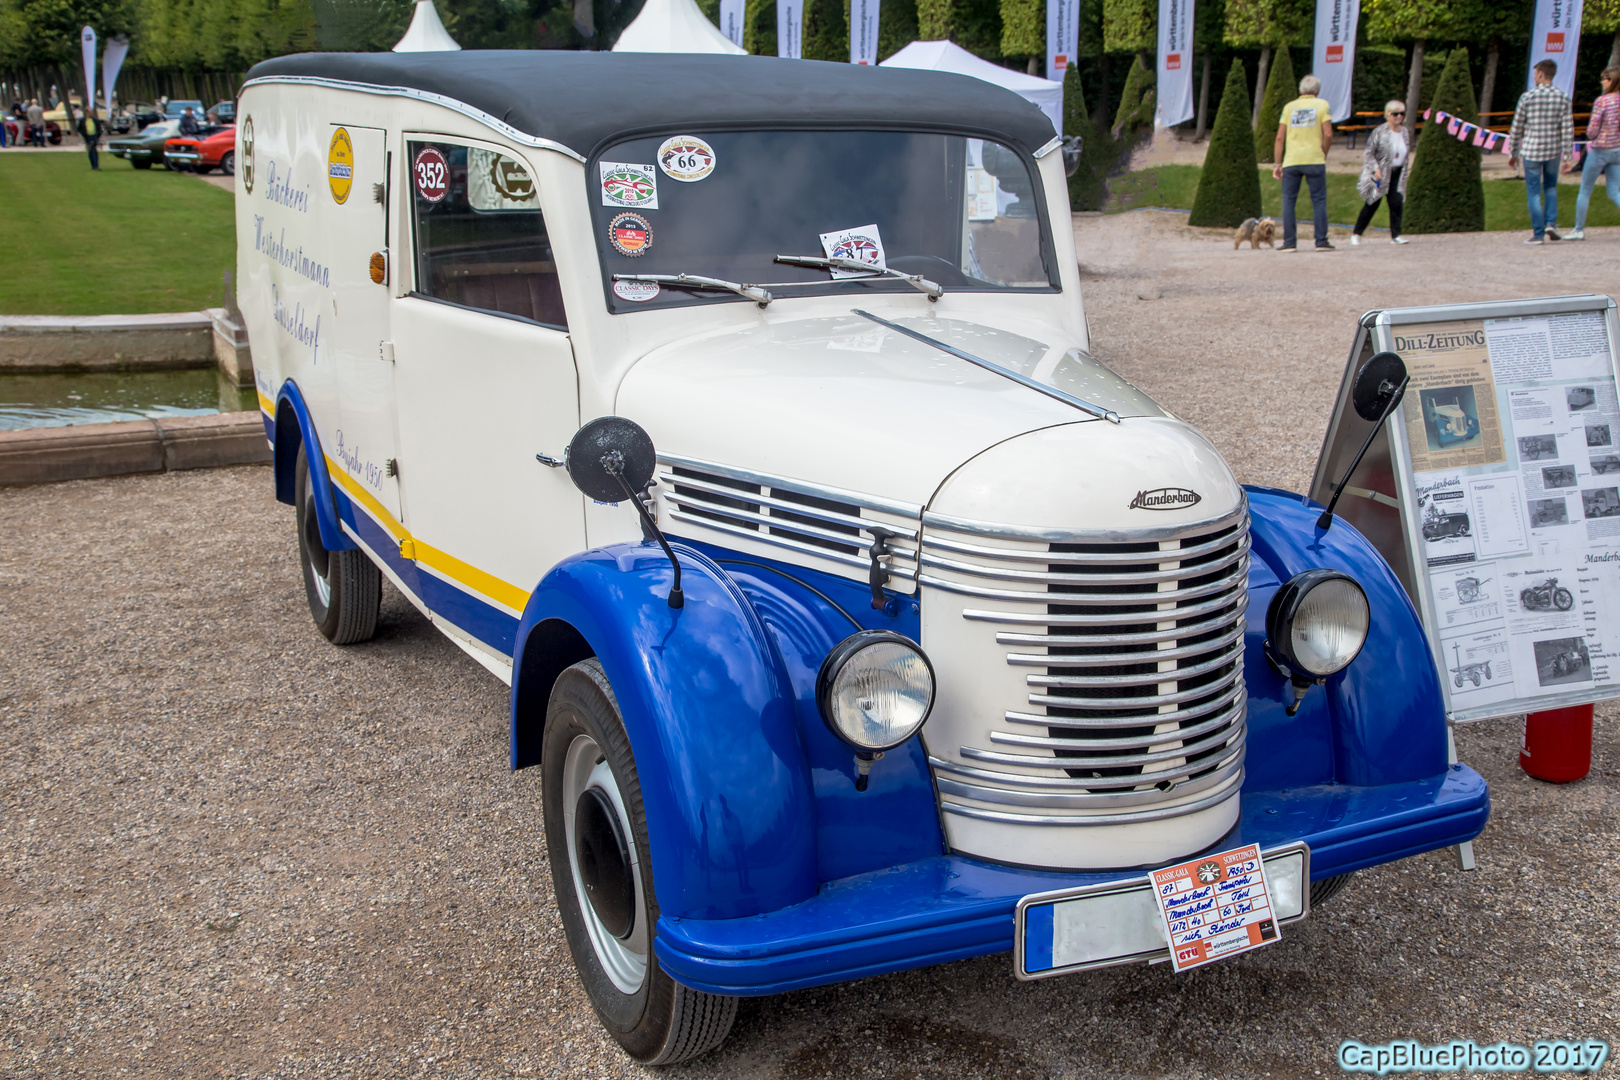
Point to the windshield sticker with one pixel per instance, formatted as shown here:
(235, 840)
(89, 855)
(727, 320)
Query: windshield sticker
(629, 185)
(630, 235)
(497, 182)
(864, 244)
(686, 158)
(637, 292)
(432, 174)
(340, 165)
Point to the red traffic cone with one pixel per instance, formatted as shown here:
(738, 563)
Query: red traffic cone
(1558, 744)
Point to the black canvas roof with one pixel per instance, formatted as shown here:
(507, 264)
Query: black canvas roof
(585, 99)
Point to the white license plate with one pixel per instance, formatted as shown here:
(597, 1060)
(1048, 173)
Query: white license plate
(1119, 922)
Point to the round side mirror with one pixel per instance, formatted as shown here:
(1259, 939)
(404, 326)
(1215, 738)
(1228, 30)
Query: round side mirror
(1378, 385)
(1073, 147)
(606, 449)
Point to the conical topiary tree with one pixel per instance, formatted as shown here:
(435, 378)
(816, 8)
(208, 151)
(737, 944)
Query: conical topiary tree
(1135, 112)
(1281, 88)
(1229, 187)
(1445, 193)
(1088, 187)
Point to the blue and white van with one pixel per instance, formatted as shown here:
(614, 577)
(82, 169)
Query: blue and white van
(970, 634)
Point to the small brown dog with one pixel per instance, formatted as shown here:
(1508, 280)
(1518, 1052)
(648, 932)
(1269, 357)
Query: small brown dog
(1256, 231)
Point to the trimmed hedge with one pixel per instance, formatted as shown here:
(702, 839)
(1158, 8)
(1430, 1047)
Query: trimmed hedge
(1447, 193)
(1229, 187)
(1281, 88)
(1088, 187)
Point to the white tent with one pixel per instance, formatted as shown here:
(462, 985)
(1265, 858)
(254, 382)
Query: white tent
(946, 56)
(674, 26)
(426, 33)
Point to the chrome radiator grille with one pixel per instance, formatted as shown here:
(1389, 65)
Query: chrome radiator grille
(1131, 657)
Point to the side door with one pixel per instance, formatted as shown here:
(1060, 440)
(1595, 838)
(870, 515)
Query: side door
(485, 375)
(364, 445)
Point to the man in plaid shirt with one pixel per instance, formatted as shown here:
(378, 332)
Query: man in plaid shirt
(1543, 135)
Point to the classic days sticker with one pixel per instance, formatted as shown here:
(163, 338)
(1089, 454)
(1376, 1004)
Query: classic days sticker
(630, 235)
(686, 158)
(629, 185)
(637, 292)
(340, 165)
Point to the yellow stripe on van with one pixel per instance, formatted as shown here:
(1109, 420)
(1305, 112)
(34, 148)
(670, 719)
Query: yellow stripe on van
(464, 574)
(267, 406)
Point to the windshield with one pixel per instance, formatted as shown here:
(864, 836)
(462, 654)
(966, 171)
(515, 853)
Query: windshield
(963, 213)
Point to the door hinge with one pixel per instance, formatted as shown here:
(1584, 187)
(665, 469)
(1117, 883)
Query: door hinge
(391, 467)
(377, 193)
(385, 351)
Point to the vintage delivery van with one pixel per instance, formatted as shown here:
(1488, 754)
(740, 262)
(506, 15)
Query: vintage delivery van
(958, 634)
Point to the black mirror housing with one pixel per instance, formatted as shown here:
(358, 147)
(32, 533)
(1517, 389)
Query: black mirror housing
(604, 452)
(1073, 147)
(1379, 385)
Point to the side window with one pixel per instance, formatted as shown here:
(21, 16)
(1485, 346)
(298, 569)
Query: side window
(480, 237)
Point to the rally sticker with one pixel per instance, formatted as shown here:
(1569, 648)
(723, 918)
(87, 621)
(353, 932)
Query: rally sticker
(630, 235)
(432, 174)
(1215, 906)
(340, 165)
(863, 244)
(686, 158)
(637, 292)
(629, 185)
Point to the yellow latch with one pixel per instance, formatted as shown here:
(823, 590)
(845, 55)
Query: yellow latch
(407, 549)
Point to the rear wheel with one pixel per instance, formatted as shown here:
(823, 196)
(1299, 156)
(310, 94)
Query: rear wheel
(344, 588)
(227, 164)
(601, 871)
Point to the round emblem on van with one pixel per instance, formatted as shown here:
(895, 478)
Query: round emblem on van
(245, 166)
(431, 172)
(1170, 498)
(340, 165)
(686, 158)
(637, 292)
(630, 235)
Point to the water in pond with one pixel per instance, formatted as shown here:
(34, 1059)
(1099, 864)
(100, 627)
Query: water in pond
(29, 401)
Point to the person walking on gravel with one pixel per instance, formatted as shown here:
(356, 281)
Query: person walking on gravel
(1602, 151)
(1543, 134)
(1384, 168)
(1303, 139)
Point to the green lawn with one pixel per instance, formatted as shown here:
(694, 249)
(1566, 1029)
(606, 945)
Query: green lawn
(118, 241)
(1505, 208)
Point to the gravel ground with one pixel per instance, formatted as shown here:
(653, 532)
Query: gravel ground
(229, 849)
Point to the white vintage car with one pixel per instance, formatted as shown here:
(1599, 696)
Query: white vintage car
(738, 413)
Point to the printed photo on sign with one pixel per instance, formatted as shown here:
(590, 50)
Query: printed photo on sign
(1478, 666)
(1606, 463)
(1450, 410)
(863, 244)
(497, 182)
(1562, 660)
(1450, 418)
(1537, 447)
(431, 174)
(1598, 435)
(1558, 476)
(637, 292)
(1467, 596)
(1548, 513)
(629, 185)
(1580, 398)
(686, 158)
(1447, 525)
(1600, 502)
(630, 235)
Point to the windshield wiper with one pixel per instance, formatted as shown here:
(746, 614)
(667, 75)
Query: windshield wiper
(695, 281)
(916, 281)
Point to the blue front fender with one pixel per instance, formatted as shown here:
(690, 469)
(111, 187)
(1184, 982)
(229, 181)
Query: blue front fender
(291, 412)
(709, 712)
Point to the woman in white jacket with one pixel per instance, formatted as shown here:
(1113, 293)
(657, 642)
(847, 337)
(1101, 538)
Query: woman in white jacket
(1384, 168)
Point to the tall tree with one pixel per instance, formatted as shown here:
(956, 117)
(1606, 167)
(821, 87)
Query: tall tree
(1229, 184)
(1413, 22)
(1209, 26)
(1088, 187)
(1023, 31)
(897, 26)
(826, 30)
(1492, 22)
(1131, 26)
(973, 24)
(759, 27)
(1445, 193)
(1602, 17)
(1267, 25)
(1281, 88)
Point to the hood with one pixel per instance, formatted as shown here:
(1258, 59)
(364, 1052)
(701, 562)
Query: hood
(845, 403)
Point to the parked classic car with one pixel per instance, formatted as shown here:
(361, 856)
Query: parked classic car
(16, 132)
(145, 148)
(955, 635)
(214, 147)
(223, 112)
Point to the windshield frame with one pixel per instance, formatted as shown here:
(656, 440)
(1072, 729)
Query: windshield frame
(853, 288)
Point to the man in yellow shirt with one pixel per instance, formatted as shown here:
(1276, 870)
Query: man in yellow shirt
(1304, 137)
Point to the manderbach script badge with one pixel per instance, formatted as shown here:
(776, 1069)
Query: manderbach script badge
(1165, 499)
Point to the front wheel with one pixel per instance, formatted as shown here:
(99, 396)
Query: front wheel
(1563, 599)
(1325, 889)
(227, 164)
(344, 588)
(601, 872)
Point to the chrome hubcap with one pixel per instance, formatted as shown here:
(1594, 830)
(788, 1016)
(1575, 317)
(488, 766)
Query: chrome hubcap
(605, 869)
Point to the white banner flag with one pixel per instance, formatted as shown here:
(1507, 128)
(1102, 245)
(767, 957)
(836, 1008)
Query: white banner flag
(789, 28)
(863, 30)
(112, 61)
(1556, 36)
(1334, 60)
(1062, 36)
(87, 38)
(731, 20)
(1175, 62)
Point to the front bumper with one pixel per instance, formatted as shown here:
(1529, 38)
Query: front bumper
(951, 908)
(189, 157)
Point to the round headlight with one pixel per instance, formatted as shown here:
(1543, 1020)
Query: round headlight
(875, 690)
(1318, 622)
